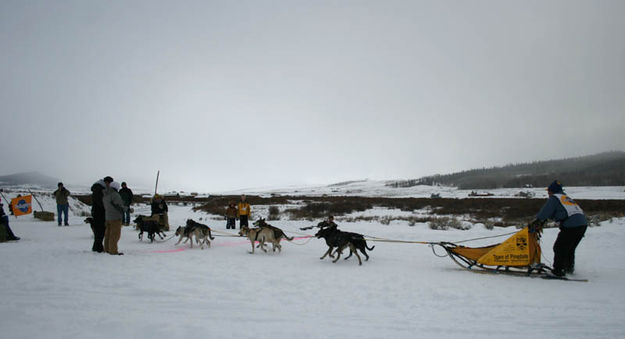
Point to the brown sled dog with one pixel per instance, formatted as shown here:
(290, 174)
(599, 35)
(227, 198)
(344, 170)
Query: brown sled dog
(201, 232)
(265, 233)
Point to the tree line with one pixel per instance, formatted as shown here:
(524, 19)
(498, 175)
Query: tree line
(603, 169)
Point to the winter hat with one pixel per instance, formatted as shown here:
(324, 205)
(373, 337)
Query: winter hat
(555, 187)
(115, 185)
(108, 179)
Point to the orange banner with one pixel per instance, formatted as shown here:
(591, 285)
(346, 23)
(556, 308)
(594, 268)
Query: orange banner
(22, 205)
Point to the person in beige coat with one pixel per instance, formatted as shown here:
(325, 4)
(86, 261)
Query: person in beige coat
(113, 212)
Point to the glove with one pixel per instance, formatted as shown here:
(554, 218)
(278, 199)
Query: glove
(536, 226)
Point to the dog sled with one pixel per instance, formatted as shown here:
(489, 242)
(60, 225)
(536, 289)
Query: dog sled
(518, 255)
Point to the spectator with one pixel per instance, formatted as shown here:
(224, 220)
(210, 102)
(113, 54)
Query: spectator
(98, 214)
(114, 210)
(4, 219)
(231, 215)
(62, 205)
(127, 196)
(330, 222)
(244, 212)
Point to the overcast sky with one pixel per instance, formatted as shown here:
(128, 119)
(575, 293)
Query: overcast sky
(222, 95)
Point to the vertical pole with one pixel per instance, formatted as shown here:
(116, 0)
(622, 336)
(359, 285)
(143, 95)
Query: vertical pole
(5, 198)
(156, 186)
(37, 200)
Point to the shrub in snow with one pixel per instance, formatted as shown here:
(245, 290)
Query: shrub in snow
(444, 223)
(489, 225)
(274, 213)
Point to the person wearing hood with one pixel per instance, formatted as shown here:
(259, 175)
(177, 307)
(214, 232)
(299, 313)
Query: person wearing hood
(97, 213)
(572, 223)
(113, 212)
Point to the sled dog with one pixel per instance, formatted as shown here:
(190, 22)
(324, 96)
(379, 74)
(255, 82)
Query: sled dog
(338, 239)
(150, 226)
(264, 235)
(201, 232)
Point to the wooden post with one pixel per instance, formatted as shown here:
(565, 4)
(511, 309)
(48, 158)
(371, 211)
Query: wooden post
(5, 198)
(37, 200)
(156, 186)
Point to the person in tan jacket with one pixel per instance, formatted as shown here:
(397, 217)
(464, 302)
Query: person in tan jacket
(113, 212)
(231, 215)
(244, 212)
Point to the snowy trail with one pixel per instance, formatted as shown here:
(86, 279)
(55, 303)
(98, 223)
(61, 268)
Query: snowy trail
(53, 286)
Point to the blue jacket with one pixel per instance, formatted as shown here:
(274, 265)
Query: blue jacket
(554, 210)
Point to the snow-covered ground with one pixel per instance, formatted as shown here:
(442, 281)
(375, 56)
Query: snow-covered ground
(53, 286)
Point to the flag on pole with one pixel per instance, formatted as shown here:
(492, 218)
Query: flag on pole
(22, 205)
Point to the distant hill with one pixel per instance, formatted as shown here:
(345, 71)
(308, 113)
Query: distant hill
(603, 169)
(29, 179)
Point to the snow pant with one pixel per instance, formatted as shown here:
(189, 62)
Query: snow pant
(126, 217)
(99, 228)
(62, 208)
(243, 221)
(564, 248)
(111, 236)
(5, 221)
(230, 223)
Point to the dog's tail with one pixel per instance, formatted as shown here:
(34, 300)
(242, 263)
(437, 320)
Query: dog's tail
(210, 235)
(370, 249)
(280, 233)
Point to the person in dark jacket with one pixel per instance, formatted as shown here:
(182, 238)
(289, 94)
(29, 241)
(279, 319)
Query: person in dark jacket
(572, 222)
(159, 207)
(97, 213)
(62, 204)
(127, 196)
(231, 215)
(4, 219)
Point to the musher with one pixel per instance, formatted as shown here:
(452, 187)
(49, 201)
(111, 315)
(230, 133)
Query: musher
(572, 223)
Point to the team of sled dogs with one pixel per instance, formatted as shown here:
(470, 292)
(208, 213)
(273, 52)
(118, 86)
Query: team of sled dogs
(263, 233)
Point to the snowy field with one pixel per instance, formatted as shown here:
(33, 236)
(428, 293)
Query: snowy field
(378, 188)
(53, 286)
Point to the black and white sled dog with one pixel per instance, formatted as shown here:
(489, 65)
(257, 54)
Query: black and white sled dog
(201, 232)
